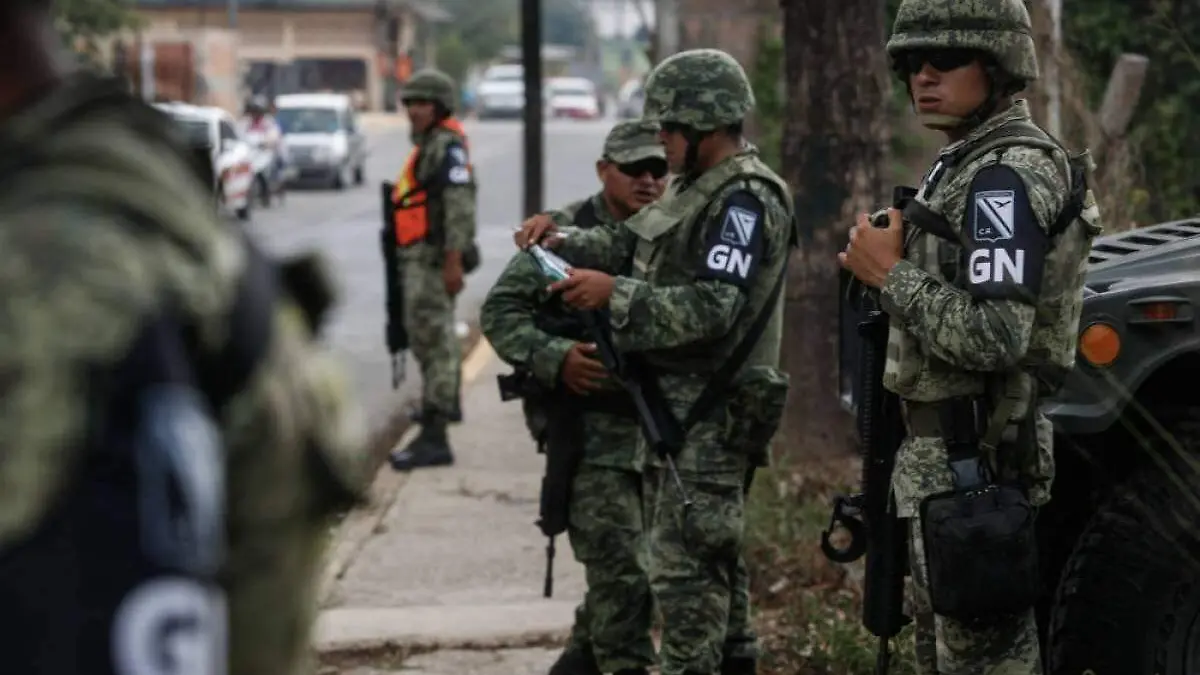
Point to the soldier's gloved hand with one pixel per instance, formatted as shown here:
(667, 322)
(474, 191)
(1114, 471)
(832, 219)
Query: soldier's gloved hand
(585, 289)
(535, 230)
(873, 251)
(581, 371)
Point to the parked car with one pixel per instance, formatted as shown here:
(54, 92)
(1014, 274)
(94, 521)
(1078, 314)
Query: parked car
(321, 138)
(630, 100)
(232, 157)
(501, 92)
(573, 97)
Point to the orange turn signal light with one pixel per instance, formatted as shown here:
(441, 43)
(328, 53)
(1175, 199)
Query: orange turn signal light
(1100, 344)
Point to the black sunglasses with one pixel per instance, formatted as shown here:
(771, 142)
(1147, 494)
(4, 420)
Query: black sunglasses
(941, 60)
(655, 167)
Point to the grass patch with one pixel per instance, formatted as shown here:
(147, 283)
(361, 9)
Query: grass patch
(808, 610)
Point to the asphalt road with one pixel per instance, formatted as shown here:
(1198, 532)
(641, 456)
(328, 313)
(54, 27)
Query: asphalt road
(344, 225)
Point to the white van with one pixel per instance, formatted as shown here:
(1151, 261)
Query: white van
(321, 138)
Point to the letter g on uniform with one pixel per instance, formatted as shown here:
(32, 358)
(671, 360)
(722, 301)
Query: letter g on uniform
(725, 258)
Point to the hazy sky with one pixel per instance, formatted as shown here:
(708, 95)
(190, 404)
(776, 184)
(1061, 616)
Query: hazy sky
(619, 17)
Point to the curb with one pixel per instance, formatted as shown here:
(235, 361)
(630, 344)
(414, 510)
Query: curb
(439, 628)
(357, 527)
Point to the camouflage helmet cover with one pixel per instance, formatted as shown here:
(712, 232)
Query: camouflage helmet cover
(1000, 28)
(633, 141)
(705, 89)
(430, 85)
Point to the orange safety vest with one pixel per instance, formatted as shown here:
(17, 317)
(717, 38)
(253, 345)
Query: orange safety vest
(410, 197)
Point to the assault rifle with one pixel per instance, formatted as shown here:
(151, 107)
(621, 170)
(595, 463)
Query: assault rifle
(870, 516)
(660, 428)
(395, 334)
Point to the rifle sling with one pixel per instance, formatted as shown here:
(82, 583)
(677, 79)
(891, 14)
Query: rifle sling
(717, 387)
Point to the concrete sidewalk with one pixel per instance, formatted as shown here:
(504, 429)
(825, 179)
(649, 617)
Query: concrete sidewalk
(451, 559)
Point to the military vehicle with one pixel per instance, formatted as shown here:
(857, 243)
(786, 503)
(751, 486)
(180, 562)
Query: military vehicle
(1120, 540)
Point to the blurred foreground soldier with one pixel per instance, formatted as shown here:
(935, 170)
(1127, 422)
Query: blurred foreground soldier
(981, 277)
(700, 309)
(435, 230)
(573, 408)
(173, 442)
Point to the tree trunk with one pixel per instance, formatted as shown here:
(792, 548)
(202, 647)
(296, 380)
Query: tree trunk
(835, 152)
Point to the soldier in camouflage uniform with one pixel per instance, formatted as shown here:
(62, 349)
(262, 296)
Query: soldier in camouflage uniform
(988, 312)
(701, 308)
(174, 441)
(531, 329)
(435, 227)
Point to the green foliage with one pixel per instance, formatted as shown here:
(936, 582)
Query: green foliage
(481, 29)
(809, 609)
(85, 21)
(766, 76)
(453, 57)
(1166, 127)
(565, 22)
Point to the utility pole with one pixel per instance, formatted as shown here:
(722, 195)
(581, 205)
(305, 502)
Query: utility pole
(531, 61)
(666, 28)
(1053, 73)
(232, 6)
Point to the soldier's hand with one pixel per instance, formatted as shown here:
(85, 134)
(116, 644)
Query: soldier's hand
(452, 276)
(581, 371)
(873, 251)
(585, 289)
(535, 231)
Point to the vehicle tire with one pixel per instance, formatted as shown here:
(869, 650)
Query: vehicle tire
(360, 175)
(1128, 600)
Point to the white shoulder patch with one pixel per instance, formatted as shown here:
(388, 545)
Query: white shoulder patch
(738, 228)
(993, 216)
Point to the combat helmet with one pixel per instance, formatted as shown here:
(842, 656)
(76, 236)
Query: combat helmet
(1000, 28)
(704, 89)
(430, 85)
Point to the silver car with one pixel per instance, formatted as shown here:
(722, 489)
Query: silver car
(321, 138)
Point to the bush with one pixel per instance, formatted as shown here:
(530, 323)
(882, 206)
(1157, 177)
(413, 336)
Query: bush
(808, 609)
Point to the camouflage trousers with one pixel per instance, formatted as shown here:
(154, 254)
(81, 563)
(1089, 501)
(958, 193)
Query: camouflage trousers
(1007, 646)
(429, 320)
(606, 536)
(697, 572)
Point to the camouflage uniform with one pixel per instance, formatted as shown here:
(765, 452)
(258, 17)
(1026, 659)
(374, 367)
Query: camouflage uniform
(612, 624)
(428, 308)
(106, 232)
(706, 258)
(992, 330)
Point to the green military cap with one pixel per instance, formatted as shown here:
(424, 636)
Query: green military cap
(633, 141)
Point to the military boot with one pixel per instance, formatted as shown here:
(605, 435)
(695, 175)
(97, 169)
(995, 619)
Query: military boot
(575, 661)
(418, 415)
(739, 666)
(431, 447)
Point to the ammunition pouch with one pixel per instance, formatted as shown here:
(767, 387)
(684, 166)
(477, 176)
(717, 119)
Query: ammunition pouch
(756, 403)
(980, 552)
(980, 540)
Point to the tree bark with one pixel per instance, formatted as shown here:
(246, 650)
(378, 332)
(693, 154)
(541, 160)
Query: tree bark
(835, 153)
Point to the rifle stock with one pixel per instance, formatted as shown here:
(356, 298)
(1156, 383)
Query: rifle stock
(395, 333)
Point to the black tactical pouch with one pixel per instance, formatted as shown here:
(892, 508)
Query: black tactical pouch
(980, 552)
(980, 541)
